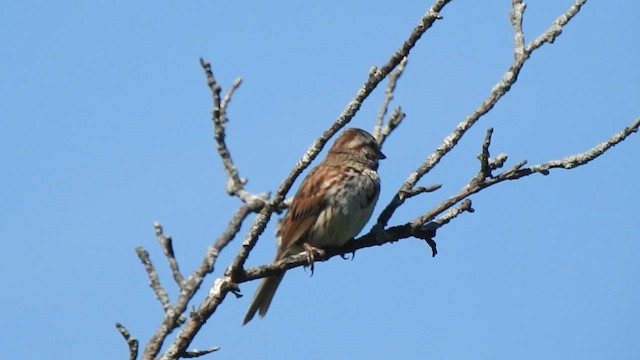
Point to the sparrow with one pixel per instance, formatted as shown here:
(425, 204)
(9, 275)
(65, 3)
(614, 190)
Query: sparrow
(332, 205)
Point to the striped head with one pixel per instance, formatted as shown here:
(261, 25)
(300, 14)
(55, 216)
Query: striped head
(357, 145)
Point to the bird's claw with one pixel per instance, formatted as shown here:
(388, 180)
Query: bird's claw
(347, 257)
(313, 253)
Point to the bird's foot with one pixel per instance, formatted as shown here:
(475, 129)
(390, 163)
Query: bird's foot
(313, 253)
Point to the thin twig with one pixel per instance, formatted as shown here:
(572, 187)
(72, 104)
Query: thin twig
(197, 353)
(516, 15)
(394, 120)
(227, 98)
(572, 161)
(154, 279)
(235, 183)
(378, 132)
(465, 206)
(452, 213)
(421, 190)
(498, 161)
(484, 156)
(232, 229)
(131, 341)
(555, 30)
(166, 243)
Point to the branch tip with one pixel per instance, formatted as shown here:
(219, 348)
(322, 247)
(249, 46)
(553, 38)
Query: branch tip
(197, 353)
(154, 279)
(131, 341)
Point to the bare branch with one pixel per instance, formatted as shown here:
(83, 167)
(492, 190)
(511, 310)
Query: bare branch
(131, 341)
(394, 120)
(517, 171)
(576, 160)
(465, 206)
(498, 161)
(166, 243)
(154, 279)
(498, 91)
(516, 21)
(227, 98)
(198, 353)
(555, 30)
(371, 239)
(421, 190)
(230, 232)
(235, 183)
(485, 168)
(378, 131)
(431, 227)
(175, 318)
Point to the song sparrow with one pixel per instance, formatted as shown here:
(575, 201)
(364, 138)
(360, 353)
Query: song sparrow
(332, 205)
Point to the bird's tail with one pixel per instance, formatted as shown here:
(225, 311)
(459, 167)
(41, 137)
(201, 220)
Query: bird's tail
(262, 298)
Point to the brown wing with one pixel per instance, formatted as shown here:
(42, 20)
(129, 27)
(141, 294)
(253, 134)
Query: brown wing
(307, 204)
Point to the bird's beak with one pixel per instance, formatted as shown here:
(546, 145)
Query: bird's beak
(381, 156)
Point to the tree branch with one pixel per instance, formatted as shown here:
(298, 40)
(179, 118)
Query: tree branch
(198, 353)
(193, 283)
(154, 279)
(555, 30)
(371, 239)
(515, 16)
(166, 243)
(485, 168)
(421, 190)
(235, 183)
(498, 91)
(397, 115)
(517, 172)
(131, 341)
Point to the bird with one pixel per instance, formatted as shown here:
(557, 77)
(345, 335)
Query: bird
(331, 206)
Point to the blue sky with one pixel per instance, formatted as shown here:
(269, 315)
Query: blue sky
(105, 127)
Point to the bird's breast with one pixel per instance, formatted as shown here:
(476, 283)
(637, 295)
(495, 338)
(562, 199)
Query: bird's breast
(349, 207)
